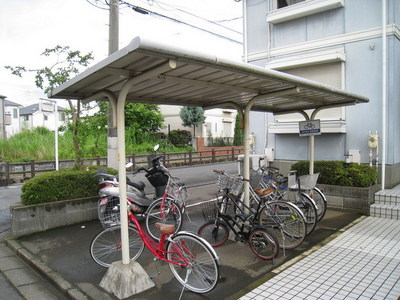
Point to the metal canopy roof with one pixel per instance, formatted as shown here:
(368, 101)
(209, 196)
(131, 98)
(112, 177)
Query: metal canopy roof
(200, 80)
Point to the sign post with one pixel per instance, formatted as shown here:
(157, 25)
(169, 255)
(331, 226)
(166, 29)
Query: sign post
(309, 128)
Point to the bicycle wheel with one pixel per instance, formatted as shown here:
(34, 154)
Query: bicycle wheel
(309, 210)
(263, 244)
(106, 246)
(320, 201)
(166, 212)
(285, 222)
(197, 268)
(214, 232)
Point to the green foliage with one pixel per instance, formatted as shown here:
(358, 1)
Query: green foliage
(238, 134)
(141, 120)
(38, 144)
(179, 137)
(35, 143)
(61, 185)
(339, 173)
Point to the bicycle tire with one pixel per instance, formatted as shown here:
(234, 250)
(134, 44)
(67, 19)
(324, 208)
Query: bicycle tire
(285, 221)
(168, 214)
(202, 273)
(320, 201)
(263, 244)
(105, 248)
(309, 210)
(216, 233)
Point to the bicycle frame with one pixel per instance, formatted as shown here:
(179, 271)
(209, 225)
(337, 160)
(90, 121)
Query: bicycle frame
(157, 249)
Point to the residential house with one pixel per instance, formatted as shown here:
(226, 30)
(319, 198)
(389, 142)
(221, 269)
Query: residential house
(11, 110)
(42, 114)
(218, 122)
(349, 44)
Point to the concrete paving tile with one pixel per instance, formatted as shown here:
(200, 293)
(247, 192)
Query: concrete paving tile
(10, 263)
(35, 291)
(21, 276)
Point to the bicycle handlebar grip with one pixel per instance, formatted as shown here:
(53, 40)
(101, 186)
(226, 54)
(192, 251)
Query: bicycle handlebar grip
(218, 171)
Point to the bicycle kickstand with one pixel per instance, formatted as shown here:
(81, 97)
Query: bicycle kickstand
(157, 271)
(186, 279)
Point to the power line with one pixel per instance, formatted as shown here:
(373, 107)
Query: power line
(209, 21)
(146, 11)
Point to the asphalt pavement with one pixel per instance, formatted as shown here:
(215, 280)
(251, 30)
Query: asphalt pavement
(56, 264)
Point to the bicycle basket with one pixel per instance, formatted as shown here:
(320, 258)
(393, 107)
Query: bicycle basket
(307, 182)
(177, 191)
(255, 179)
(209, 210)
(233, 183)
(109, 212)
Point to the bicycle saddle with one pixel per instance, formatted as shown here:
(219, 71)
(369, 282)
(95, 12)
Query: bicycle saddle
(165, 228)
(263, 192)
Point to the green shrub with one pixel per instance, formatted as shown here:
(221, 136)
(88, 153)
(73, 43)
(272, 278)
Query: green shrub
(339, 173)
(61, 185)
(180, 138)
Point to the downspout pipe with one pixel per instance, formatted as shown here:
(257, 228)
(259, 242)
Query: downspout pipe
(171, 64)
(384, 90)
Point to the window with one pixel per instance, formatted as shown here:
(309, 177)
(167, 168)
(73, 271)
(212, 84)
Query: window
(61, 116)
(286, 10)
(45, 117)
(284, 3)
(15, 113)
(332, 119)
(26, 118)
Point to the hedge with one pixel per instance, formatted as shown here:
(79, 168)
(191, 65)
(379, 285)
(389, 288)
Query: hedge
(61, 185)
(339, 173)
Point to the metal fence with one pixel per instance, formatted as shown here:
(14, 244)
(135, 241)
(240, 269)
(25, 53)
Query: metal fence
(22, 171)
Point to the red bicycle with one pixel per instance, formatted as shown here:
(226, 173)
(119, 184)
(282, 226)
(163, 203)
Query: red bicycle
(191, 259)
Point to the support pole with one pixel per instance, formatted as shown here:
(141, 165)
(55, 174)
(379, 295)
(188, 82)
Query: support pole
(171, 64)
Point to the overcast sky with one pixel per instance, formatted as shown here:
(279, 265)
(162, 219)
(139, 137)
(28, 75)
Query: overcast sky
(28, 27)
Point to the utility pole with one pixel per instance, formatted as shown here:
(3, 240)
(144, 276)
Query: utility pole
(113, 40)
(113, 34)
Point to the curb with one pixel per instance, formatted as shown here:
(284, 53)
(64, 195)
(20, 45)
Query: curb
(72, 291)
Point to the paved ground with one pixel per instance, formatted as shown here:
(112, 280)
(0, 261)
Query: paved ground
(362, 263)
(341, 241)
(66, 251)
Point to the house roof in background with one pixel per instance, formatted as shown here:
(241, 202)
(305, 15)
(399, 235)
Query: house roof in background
(10, 103)
(29, 110)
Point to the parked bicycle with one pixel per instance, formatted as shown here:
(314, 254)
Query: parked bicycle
(168, 204)
(283, 219)
(216, 230)
(191, 259)
(307, 184)
(168, 209)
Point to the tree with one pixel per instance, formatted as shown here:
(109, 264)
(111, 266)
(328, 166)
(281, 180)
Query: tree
(67, 63)
(140, 118)
(192, 116)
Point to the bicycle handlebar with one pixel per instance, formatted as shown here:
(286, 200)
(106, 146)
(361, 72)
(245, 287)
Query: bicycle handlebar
(219, 171)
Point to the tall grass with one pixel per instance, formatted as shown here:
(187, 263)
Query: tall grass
(38, 144)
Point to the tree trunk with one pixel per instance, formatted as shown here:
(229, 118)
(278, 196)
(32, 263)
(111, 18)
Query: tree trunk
(75, 131)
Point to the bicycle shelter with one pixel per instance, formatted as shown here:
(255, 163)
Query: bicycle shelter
(149, 72)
